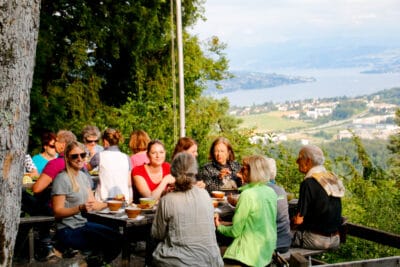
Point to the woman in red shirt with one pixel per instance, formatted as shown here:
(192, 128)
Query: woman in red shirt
(153, 179)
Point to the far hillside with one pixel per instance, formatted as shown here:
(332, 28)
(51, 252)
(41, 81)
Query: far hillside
(271, 122)
(369, 117)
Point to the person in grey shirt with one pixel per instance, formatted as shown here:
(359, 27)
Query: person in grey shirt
(282, 219)
(184, 221)
(72, 196)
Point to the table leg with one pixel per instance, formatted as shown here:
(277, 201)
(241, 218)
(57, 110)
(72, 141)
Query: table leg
(31, 245)
(126, 253)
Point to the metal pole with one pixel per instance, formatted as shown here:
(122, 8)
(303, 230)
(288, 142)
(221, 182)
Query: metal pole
(180, 69)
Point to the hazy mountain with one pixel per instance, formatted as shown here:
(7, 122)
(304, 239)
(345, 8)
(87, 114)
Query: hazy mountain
(245, 80)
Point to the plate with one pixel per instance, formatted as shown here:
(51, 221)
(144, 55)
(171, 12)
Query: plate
(148, 210)
(108, 211)
(138, 218)
(219, 199)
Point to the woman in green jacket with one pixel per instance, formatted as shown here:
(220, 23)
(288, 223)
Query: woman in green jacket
(253, 227)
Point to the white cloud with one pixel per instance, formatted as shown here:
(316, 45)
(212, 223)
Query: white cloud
(248, 23)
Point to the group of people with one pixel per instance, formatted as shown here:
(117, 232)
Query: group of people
(261, 223)
(186, 227)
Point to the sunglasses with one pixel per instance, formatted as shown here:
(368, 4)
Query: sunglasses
(75, 156)
(51, 146)
(91, 141)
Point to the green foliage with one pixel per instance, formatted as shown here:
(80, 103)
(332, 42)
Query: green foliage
(110, 64)
(358, 249)
(391, 96)
(372, 198)
(346, 109)
(394, 147)
(324, 135)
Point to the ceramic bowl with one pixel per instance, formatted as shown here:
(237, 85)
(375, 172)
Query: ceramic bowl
(218, 194)
(132, 212)
(114, 205)
(147, 202)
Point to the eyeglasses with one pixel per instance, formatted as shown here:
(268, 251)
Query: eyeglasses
(75, 156)
(91, 141)
(51, 146)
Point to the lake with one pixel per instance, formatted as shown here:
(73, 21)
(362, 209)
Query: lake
(329, 83)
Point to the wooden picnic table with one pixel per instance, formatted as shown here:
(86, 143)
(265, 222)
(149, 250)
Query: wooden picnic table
(129, 227)
(126, 225)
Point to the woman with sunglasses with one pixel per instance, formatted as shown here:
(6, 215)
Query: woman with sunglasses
(114, 169)
(48, 151)
(91, 135)
(71, 195)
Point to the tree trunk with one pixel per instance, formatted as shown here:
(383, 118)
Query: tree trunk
(19, 26)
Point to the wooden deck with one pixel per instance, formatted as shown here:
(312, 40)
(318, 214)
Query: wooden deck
(297, 257)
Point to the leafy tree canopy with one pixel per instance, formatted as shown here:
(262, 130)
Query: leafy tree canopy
(111, 64)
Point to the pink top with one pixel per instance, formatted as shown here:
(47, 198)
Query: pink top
(139, 159)
(141, 171)
(54, 166)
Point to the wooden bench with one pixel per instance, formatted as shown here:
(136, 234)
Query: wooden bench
(30, 223)
(302, 251)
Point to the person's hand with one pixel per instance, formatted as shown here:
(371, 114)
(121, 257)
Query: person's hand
(298, 219)
(170, 188)
(216, 219)
(232, 200)
(224, 172)
(201, 184)
(240, 176)
(90, 205)
(97, 205)
(169, 179)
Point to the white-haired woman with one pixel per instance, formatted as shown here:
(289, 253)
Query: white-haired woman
(184, 221)
(253, 227)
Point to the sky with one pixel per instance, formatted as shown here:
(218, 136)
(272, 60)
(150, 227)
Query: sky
(275, 25)
(254, 22)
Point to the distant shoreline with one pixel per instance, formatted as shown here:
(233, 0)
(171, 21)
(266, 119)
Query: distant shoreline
(329, 83)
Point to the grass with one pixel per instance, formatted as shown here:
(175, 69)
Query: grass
(271, 122)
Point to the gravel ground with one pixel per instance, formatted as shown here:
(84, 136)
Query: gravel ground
(136, 260)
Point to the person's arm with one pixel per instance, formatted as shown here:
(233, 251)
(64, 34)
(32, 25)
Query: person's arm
(92, 203)
(239, 220)
(201, 184)
(94, 162)
(89, 167)
(144, 190)
(59, 209)
(33, 173)
(236, 175)
(42, 183)
(304, 198)
(206, 174)
(159, 226)
(298, 219)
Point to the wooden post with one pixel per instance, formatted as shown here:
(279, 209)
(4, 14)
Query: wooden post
(297, 260)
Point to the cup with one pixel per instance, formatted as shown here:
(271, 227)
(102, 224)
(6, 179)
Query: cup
(114, 205)
(132, 212)
(218, 194)
(215, 203)
(147, 202)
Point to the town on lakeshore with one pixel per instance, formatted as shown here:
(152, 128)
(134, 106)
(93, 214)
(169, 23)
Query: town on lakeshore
(369, 117)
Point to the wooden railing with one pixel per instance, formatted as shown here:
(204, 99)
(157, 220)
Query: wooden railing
(298, 259)
(372, 234)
